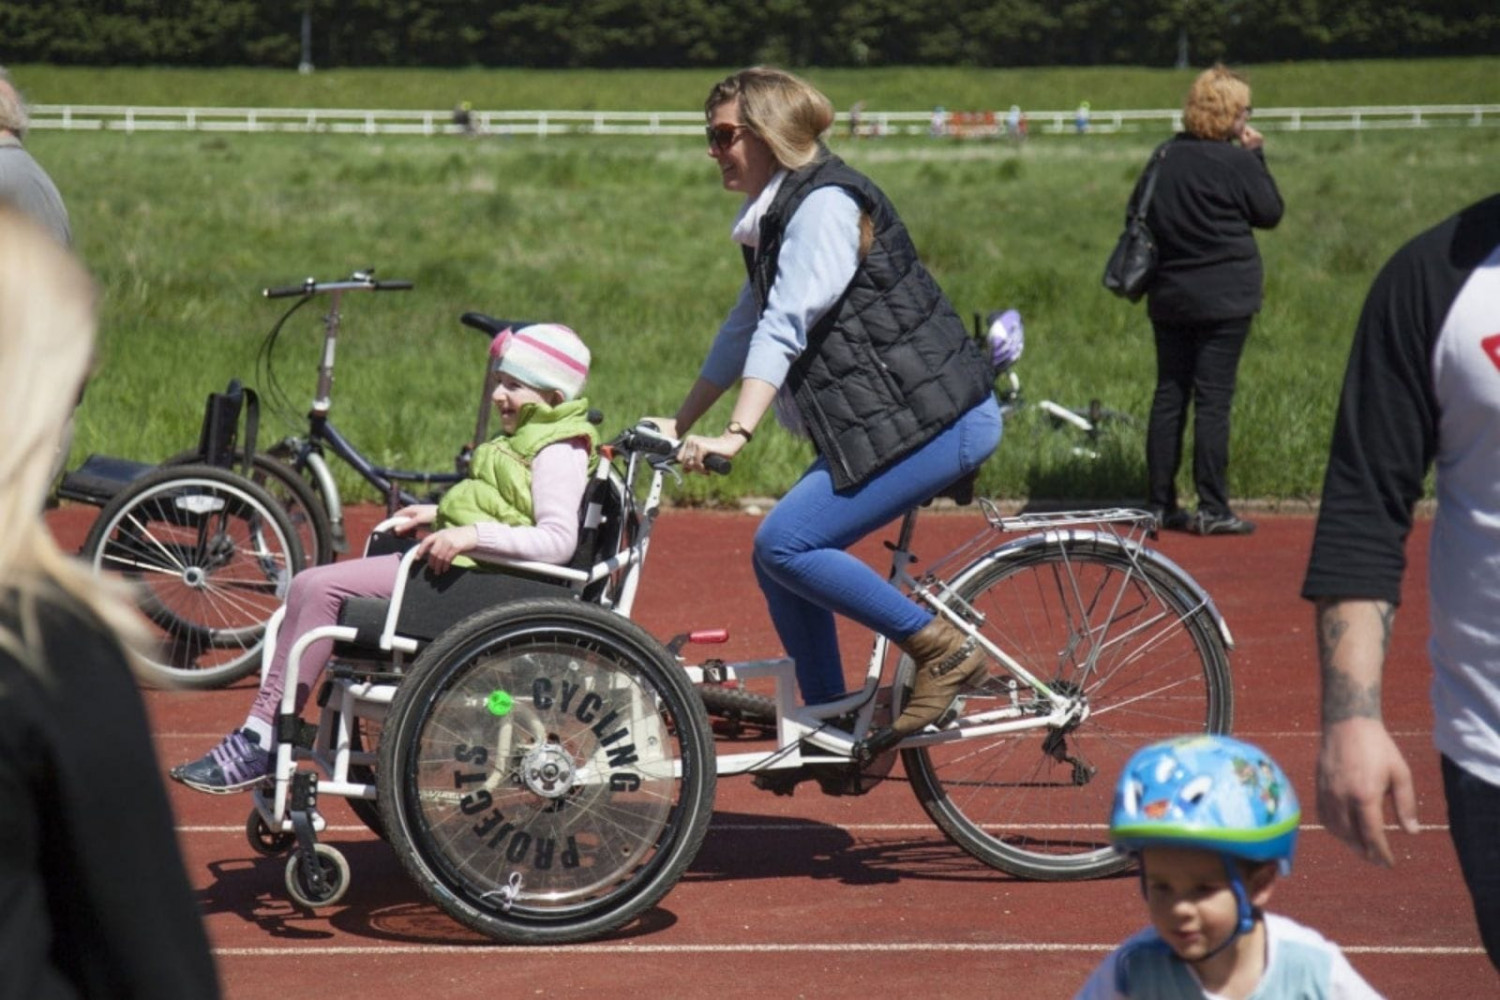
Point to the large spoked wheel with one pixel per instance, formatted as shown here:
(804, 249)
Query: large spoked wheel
(546, 771)
(303, 506)
(1142, 660)
(212, 554)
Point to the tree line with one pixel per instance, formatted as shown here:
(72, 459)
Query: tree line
(706, 33)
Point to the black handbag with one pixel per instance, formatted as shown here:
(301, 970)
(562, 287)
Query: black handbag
(1133, 262)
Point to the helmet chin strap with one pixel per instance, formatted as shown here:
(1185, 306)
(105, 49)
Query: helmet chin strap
(1247, 912)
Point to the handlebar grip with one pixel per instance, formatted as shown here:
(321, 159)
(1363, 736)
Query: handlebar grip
(718, 464)
(393, 286)
(287, 291)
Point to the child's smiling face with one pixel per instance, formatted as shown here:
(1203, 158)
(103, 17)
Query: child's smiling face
(511, 394)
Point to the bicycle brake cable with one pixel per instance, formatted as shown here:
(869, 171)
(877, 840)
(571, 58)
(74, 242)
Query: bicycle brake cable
(265, 370)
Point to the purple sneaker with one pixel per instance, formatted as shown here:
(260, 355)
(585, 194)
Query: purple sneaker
(237, 763)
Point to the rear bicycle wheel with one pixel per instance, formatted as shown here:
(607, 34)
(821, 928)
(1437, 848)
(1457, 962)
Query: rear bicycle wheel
(546, 771)
(1125, 635)
(212, 555)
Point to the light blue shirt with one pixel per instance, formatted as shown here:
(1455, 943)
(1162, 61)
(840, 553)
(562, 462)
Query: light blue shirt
(819, 254)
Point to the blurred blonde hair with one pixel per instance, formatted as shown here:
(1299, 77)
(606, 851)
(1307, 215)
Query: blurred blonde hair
(46, 350)
(789, 114)
(1214, 100)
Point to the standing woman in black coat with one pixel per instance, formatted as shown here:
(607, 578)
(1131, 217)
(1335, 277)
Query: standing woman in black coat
(1212, 189)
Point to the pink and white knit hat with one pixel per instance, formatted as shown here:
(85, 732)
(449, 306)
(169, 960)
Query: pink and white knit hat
(544, 356)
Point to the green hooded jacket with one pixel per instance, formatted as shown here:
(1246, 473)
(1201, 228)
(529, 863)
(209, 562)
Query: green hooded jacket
(498, 487)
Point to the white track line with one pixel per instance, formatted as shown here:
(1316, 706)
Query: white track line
(636, 949)
(801, 826)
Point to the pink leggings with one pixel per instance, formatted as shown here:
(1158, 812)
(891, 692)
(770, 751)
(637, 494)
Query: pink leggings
(313, 602)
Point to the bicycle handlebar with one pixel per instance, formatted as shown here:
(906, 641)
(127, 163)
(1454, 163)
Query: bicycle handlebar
(359, 281)
(646, 438)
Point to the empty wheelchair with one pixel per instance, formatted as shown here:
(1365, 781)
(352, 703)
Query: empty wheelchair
(206, 541)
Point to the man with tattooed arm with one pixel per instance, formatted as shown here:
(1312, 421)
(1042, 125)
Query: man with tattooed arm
(1422, 391)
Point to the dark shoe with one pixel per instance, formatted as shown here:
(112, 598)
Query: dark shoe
(1221, 524)
(1175, 519)
(237, 763)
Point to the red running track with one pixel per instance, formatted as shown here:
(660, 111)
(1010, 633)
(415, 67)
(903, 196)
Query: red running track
(848, 897)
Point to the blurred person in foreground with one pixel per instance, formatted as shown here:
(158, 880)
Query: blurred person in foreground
(94, 900)
(23, 182)
(1421, 391)
(1212, 189)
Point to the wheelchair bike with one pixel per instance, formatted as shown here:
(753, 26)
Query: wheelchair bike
(545, 769)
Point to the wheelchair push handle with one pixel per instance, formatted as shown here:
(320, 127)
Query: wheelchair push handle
(359, 281)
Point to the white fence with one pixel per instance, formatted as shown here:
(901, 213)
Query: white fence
(546, 123)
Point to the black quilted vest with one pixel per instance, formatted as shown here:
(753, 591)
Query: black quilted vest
(891, 364)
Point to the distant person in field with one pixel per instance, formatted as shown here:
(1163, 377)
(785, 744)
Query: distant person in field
(23, 182)
(1212, 190)
(842, 329)
(96, 901)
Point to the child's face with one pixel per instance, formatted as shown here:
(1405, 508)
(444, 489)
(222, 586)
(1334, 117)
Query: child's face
(1191, 902)
(511, 394)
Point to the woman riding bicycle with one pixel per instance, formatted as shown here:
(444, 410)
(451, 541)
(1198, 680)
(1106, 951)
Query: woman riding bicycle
(520, 501)
(841, 328)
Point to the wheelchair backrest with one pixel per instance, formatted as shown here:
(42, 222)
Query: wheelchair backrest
(607, 526)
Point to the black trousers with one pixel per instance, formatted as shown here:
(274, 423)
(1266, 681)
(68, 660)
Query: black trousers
(1196, 365)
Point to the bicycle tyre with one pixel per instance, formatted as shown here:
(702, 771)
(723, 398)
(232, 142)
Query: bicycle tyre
(303, 504)
(508, 792)
(1078, 614)
(738, 706)
(212, 555)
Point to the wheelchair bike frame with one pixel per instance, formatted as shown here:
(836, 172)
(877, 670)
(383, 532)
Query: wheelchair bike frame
(546, 773)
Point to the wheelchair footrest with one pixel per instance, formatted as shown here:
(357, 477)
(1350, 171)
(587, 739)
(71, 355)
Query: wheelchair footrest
(99, 478)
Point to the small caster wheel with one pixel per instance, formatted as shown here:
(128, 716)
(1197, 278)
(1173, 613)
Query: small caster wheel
(263, 840)
(322, 885)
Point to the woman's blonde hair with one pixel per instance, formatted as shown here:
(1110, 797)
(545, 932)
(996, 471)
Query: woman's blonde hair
(46, 350)
(789, 114)
(1214, 101)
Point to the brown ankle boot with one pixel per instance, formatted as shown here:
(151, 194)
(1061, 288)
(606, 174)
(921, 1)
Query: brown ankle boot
(947, 661)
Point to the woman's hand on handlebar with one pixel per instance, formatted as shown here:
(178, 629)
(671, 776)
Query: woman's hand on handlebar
(414, 516)
(696, 450)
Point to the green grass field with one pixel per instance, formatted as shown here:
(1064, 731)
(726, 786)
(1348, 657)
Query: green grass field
(626, 239)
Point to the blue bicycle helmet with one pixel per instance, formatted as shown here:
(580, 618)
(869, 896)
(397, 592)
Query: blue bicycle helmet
(1216, 793)
(1213, 792)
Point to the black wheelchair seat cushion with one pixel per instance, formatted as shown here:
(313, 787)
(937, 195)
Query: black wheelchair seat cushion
(434, 603)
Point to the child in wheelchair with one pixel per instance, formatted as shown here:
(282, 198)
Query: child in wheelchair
(520, 501)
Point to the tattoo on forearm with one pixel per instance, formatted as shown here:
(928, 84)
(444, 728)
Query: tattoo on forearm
(1344, 697)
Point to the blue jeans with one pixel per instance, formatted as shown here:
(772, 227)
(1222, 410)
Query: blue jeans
(1474, 825)
(807, 576)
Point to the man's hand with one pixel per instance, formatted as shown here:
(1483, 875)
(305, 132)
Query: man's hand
(1359, 767)
(440, 547)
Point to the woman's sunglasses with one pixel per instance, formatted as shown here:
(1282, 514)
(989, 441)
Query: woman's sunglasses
(723, 135)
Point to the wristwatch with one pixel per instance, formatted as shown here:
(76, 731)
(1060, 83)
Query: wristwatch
(735, 427)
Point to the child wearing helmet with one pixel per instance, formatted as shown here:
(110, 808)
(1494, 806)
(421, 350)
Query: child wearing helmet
(520, 500)
(1213, 821)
